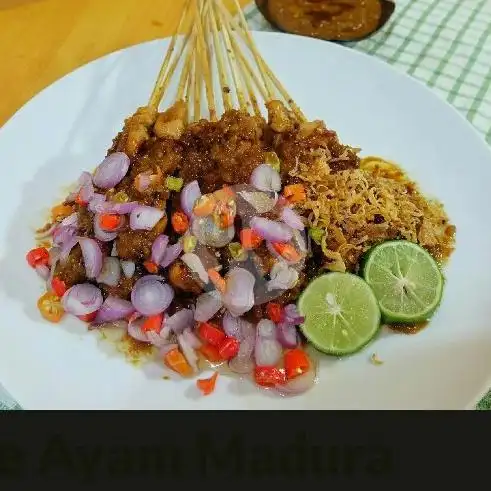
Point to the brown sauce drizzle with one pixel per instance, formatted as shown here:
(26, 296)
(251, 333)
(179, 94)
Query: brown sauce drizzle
(408, 328)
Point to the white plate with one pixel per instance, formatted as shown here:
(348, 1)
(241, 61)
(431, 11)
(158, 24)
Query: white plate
(69, 126)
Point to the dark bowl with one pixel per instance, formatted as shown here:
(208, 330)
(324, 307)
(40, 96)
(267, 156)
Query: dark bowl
(387, 7)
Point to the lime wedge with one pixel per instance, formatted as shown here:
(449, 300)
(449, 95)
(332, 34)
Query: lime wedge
(341, 313)
(406, 280)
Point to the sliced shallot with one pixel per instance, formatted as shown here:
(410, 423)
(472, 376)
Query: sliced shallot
(92, 255)
(128, 268)
(86, 191)
(188, 352)
(135, 328)
(191, 338)
(265, 178)
(268, 350)
(299, 384)
(119, 208)
(113, 309)
(239, 294)
(292, 315)
(292, 218)
(283, 277)
(181, 320)
(207, 305)
(82, 299)
(158, 248)
(62, 234)
(145, 217)
(271, 230)
(171, 253)
(193, 262)
(96, 203)
(100, 234)
(111, 272)
(260, 201)
(150, 296)
(111, 170)
(66, 248)
(210, 234)
(189, 194)
(287, 335)
(43, 271)
(232, 326)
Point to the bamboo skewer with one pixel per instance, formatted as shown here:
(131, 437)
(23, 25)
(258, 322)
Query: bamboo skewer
(217, 47)
(156, 95)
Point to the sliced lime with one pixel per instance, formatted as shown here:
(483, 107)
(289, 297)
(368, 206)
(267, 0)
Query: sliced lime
(341, 313)
(406, 280)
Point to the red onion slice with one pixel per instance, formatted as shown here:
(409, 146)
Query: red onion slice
(232, 326)
(100, 234)
(271, 230)
(171, 254)
(158, 248)
(207, 305)
(239, 294)
(113, 309)
(292, 218)
(182, 319)
(43, 271)
(145, 217)
(111, 272)
(111, 170)
(82, 299)
(300, 384)
(66, 248)
(150, 296)
(193, 262)
(92, 255)
(135, 328)
(189, 194)
(128, 268)
(287, 335)
(96, 203)
(265, 178)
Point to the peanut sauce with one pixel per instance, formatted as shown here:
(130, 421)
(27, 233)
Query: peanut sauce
(336, 20)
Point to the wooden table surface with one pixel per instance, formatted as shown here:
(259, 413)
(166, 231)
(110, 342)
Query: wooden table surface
(42, 40)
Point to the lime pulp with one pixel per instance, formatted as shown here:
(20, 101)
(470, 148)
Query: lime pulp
(406, 280)
(341, 313)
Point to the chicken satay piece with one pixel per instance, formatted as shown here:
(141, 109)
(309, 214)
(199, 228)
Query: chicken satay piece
(171, 123)
(136, 131)
(280, 119)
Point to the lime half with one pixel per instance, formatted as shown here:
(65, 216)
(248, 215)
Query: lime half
(341, 313)
(406, 280)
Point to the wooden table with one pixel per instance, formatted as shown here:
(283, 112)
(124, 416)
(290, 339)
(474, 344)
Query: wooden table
(42, 40)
